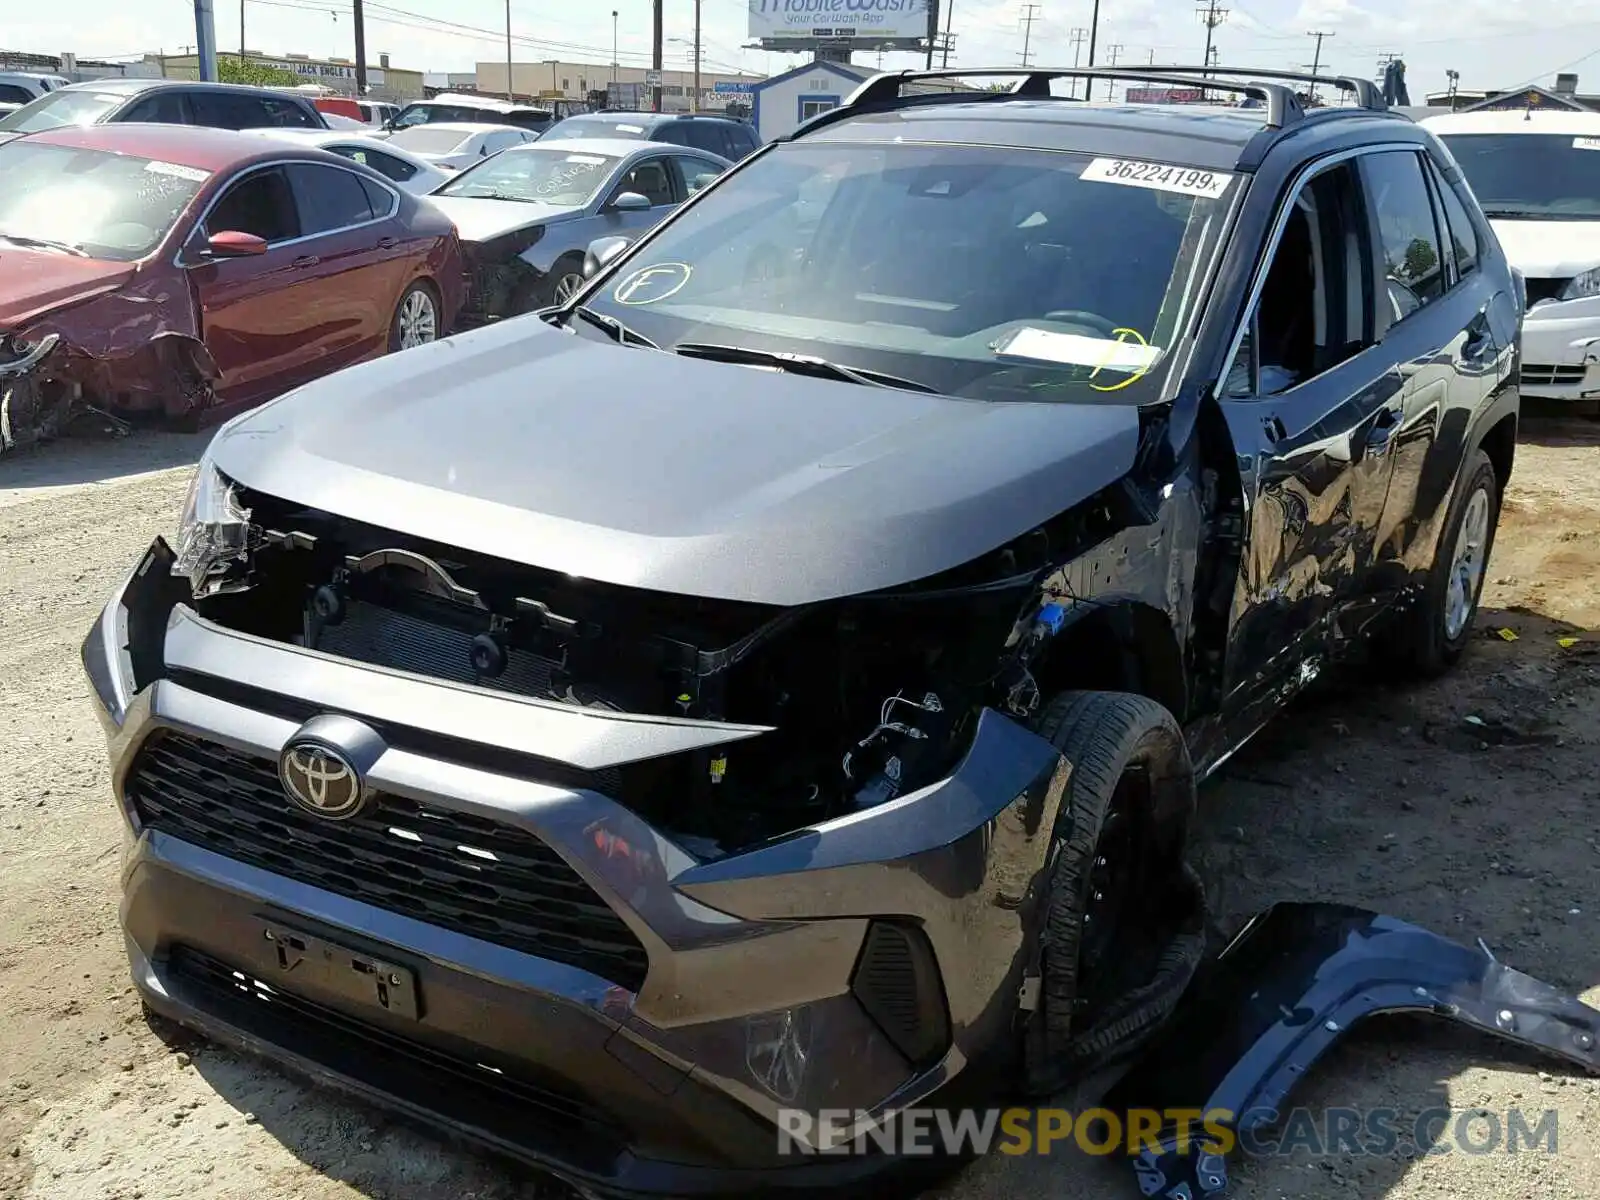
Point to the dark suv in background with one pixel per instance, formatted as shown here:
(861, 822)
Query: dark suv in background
(729, 139)
(163, 102)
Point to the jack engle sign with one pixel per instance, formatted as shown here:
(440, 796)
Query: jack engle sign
(868, 19)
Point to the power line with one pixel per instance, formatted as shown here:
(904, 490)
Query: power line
(1030, 13)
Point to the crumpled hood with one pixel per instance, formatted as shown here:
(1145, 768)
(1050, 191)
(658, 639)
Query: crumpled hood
(480, 220)
(643, 469)
(35, 282)
(1550, 249)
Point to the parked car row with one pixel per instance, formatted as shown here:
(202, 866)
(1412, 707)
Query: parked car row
(169, 269)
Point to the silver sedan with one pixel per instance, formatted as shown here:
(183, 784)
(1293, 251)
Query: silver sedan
(527, 215)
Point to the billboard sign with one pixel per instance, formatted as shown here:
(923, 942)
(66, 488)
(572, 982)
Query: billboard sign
(865, 20)
(732, 87)
(1158, 95)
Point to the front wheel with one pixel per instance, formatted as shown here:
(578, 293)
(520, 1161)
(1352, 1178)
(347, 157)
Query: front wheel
(416, 320)
(1124, 918)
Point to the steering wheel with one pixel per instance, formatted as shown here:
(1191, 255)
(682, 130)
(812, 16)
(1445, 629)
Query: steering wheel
(1079, 316)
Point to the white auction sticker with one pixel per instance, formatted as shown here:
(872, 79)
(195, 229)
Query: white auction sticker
(630, 128)
(177, 171)
(1072, 349)
(1589, 143)
(1162, 177)
(588, 160)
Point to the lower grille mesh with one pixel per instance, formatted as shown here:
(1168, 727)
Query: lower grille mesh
(456, 870)
(481, 1094)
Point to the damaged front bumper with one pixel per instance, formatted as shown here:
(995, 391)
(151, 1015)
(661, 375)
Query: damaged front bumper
(1293, 982)
(28, 413)
(527, 962)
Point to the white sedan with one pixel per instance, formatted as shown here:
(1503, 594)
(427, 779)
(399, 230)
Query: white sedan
(457, 145)
(406, 170)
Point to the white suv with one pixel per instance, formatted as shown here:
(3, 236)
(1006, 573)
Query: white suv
(1537, 176)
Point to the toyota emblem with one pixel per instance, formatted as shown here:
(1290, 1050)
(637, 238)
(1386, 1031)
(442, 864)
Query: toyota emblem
(321, 780)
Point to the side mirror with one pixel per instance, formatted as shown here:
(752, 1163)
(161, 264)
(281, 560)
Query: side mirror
(630, 202)
(601, 252)
(231, 243)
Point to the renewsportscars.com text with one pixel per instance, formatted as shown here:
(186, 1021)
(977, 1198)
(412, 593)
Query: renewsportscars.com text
(1099, 1131)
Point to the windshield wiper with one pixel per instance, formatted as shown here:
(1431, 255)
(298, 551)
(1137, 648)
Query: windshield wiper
(619, 332)
(799, 364)
(45, 244)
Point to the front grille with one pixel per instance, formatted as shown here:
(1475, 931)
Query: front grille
(483, 1094)
(1547, 374)
(467, 873)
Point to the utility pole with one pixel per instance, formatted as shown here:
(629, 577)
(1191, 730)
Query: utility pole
(1113, 52)
(1211, 14)
(510, 93)
(359, 21)
(241, 35)
(1316, 58)
(205, 36)
(1030, 13)
(613, 49)
(657, 36)
(1076, 38)
(1094, 32)
(949, 13)
(694, 105)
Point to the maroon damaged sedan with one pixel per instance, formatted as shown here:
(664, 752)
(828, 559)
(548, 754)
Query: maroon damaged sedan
(183, 271)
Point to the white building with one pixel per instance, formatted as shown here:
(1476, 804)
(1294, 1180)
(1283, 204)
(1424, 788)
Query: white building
(779, 105)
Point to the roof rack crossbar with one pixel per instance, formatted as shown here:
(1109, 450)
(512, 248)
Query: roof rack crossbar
(1367, 93)
(1282, 105)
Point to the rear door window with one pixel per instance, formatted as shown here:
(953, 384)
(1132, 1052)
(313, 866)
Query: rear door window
(228, 110)
(386, 165)
(164, 108)
(285, 113)
(1463, 233)
(12, 93)
(330, 198)
(1409, 246)
(695, 172)
(379, 197)
(261, 203)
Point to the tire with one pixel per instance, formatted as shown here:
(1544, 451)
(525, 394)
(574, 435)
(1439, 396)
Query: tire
(1428, 638)
(1130, 796)
(417, 318)
(561, 283)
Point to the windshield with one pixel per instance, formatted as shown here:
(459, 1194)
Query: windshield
(536, 176)
(423, 140)
(54, 109)
(429, 113)
(987, 272)
(112, 206)
(1531, 175)
(601, 127)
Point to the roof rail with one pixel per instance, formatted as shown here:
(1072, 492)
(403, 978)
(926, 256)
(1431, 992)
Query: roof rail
(1367, 94)
(1283, 106)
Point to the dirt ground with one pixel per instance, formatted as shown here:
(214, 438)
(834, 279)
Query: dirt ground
(1391, 799)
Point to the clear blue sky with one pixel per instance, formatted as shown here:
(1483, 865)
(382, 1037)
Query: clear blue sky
(1493, 43)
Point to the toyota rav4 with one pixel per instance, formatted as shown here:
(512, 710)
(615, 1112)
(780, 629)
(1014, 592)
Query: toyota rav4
(776, 679)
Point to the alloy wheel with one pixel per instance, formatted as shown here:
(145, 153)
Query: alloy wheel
(1466, 565)
(419, 321)
(567, 287)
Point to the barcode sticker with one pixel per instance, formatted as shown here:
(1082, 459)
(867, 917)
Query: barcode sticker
(1161, 177)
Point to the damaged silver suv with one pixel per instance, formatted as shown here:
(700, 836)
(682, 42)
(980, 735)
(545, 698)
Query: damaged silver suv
(778, 678)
